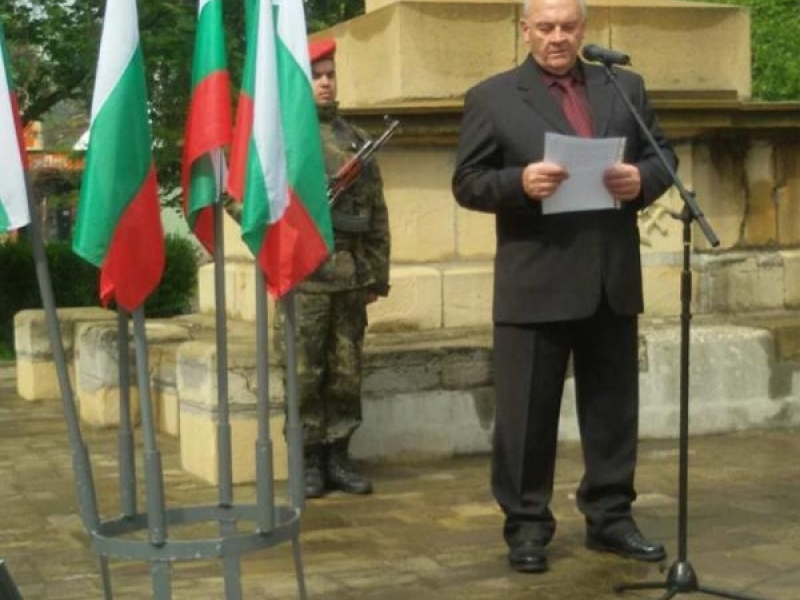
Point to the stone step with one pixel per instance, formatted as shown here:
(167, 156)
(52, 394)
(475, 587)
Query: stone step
(425, 393)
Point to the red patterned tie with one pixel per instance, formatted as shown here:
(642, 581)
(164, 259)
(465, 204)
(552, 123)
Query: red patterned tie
(574, 107)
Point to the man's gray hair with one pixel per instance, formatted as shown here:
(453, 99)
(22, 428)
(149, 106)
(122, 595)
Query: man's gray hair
(581, 6)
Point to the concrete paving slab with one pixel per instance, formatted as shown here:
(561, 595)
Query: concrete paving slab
(431, 530)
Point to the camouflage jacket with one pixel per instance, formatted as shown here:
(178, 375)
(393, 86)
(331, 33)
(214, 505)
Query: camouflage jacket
(360, 218)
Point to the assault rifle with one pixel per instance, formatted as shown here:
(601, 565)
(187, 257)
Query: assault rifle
(349, 173)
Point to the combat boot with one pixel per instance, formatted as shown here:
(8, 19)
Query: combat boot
(342, 475)
(314, 479)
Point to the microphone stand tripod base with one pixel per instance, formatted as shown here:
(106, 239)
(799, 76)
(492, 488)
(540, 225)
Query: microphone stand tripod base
(681, 578)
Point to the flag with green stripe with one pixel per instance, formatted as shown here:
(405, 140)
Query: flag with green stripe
(118, 224)
(277, 168)
(13, 193)
(208, 126)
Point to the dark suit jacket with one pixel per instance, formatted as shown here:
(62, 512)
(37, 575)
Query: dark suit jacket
(555, 267)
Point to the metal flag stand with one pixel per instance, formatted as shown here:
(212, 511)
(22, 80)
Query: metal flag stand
(116, 537)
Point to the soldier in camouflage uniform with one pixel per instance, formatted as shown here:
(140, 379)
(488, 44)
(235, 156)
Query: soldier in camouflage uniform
(331, 313)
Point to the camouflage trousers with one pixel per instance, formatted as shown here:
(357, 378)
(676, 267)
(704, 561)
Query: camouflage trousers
(329, 334)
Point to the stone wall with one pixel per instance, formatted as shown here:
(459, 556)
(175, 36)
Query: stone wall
(741, 158)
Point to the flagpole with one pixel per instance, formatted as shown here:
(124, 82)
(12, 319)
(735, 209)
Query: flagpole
(81, 464)
(225, 469)
(294, 428)
(125, 441)
(227, 526)
(160, 570)
(265, 493)
(294, 433)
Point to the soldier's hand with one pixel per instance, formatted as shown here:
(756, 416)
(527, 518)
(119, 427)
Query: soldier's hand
(370, 297)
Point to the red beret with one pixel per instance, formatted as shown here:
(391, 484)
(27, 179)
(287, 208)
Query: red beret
(319, 49)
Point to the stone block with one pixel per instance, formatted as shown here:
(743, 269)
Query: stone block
(395, 370)
(36, 371)
(791, 278)
(399, 49)
(644, 28)
(475, 234)
(235, 248)
(719, 172)
(196, 382)
(729, 380)
(787, 194)
(200, 452)
(467, 294)
(240, 290)
(415, 301)
(760, 224)
(421, 206)
(97, 375)
(739, 282)
(163, 391)
(373, 70)
(659, 231)
(439, 423)
(661, 282)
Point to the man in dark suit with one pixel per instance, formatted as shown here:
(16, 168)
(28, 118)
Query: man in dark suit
(566, 284)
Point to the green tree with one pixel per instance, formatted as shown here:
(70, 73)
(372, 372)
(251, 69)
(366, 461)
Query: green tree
(322, 14)
(54, 48)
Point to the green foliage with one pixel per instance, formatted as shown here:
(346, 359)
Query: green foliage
(19, 289)
(322, 14)
(775, 42)
(75, 282)
(175, 293)
(54, 48)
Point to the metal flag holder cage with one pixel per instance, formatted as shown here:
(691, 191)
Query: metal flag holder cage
(117, 537)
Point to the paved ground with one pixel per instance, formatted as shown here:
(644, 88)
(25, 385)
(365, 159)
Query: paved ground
(431, 530)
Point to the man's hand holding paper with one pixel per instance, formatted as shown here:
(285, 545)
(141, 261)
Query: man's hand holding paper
(623, 181)
(580, 174)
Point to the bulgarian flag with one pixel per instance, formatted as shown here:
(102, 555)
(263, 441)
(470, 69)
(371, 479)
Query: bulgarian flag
(208, 128)
(118, 225)
(13, 193)
(277, 167)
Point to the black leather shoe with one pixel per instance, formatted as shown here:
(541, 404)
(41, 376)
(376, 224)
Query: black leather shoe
(528, 557)
(628, 543)
(342, 475)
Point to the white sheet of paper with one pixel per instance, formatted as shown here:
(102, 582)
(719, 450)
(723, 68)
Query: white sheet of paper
(585, 159)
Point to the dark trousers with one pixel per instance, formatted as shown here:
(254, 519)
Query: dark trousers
(530, 363)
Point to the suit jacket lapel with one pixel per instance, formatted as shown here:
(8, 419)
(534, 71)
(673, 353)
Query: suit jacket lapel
(601, 98)
(534, 93)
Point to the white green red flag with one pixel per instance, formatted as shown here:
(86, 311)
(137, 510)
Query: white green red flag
(14, 211)
(118, 225)
(208, 127)
(277, 168)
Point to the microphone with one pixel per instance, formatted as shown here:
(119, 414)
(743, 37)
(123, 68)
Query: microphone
(595, 53)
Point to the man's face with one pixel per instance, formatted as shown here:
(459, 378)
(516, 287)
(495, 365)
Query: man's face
(323, 77)
(553, 30)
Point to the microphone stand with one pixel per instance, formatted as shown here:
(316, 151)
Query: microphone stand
(681, 577)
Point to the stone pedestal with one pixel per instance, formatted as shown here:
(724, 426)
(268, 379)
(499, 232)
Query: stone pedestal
(97, 383)
(196, 380)
(36, 371)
